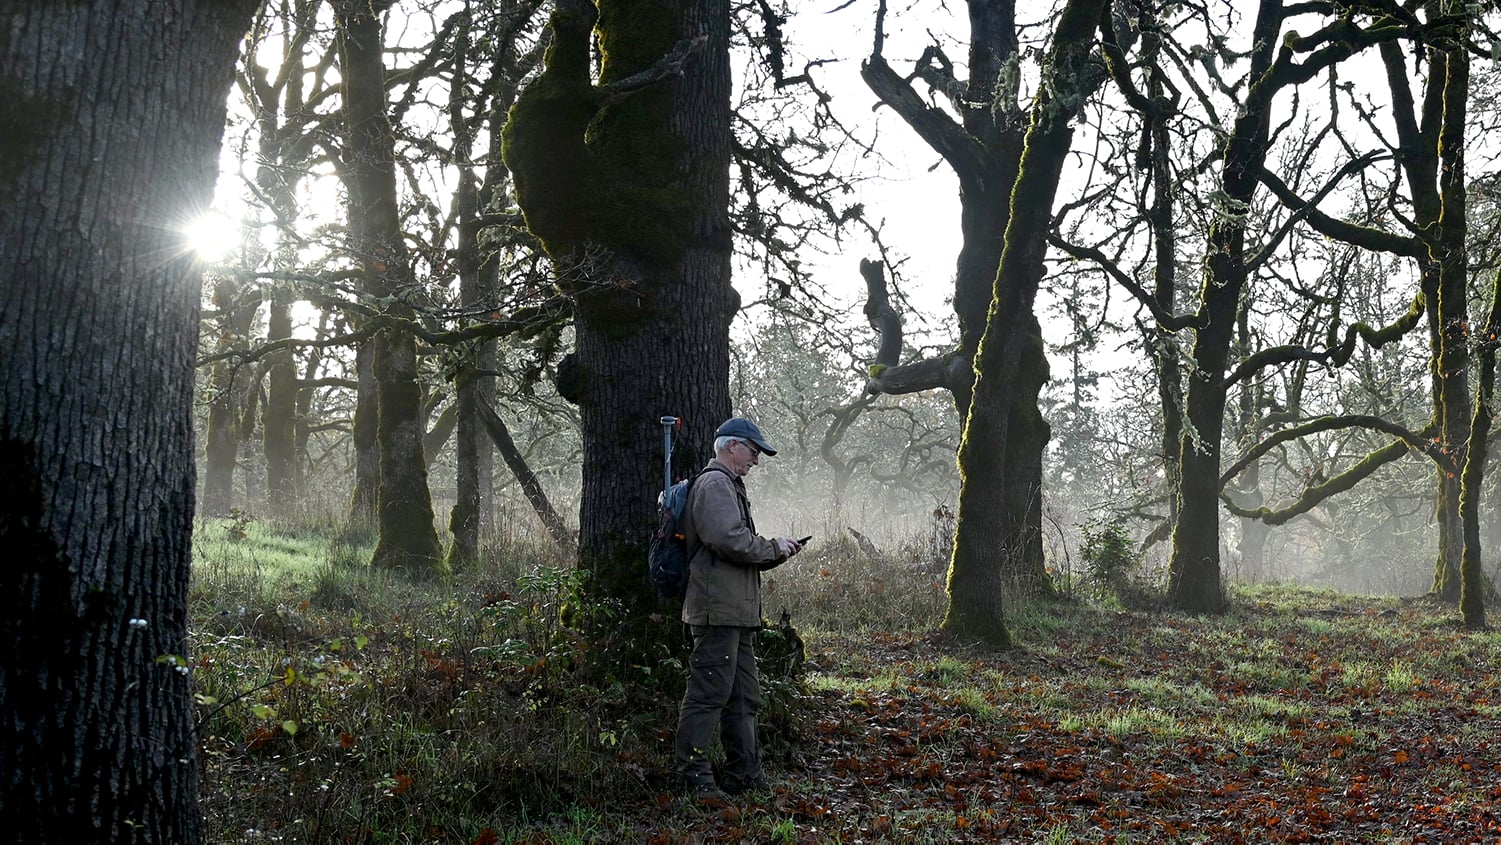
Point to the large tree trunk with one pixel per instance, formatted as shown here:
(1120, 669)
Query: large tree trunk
(404, 511)
(115, 112)
(653, 293)
(1474, 584)
(1004, 433)
(1452, 356)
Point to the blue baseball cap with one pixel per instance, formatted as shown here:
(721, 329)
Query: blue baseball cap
(745, 430)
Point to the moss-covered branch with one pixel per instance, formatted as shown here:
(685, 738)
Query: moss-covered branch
(1316, 494)
(1365, 237)
(1418, 441)
(1336, 355)
(1167, 320)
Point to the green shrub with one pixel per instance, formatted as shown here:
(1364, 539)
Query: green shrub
(1111, 564)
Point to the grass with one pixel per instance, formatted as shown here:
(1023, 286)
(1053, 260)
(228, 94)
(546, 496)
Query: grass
(337, 704)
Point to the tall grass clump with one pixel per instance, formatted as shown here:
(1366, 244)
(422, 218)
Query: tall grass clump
(847, 584)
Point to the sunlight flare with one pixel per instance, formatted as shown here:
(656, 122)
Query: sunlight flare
(212, 236)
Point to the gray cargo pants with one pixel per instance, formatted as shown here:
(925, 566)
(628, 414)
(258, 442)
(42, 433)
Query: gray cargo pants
(723, 688)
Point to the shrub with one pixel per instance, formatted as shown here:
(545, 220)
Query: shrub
(1112, 565)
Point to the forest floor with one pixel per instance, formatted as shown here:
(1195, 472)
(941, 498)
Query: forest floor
(340, 705)
(1299, 717)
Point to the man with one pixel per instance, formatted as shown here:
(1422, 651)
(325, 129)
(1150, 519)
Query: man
(722, 609)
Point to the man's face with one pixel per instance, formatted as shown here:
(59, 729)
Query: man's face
(743, 456)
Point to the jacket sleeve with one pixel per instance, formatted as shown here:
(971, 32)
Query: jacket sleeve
(720, 528)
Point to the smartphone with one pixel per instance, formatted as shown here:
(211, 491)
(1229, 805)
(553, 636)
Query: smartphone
(804, 541)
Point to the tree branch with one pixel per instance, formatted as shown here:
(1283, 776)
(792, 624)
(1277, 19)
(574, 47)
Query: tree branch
(1336, 355)
(1315, 495)
(1168, 321)
(1354, 234)
(1414, 440)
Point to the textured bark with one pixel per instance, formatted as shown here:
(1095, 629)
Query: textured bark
(1474, 584)
(279, 414)
(114, 116)
(366, 449)
(653, 300)
(1165, 266)
(996, 528)
(1454, 356)
(407, 538)
(1451, 365)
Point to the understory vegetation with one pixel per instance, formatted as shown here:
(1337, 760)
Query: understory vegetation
(338, 704)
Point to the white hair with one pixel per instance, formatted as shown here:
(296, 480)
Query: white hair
(722, 444)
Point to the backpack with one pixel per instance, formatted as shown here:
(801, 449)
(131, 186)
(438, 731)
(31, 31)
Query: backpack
(667, 560)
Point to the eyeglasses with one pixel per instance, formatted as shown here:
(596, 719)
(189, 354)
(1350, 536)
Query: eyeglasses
(754, 449)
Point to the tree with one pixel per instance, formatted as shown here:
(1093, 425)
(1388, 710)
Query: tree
(626, 184)
(1429, 165)
(479, 266)
(999, 506)
(984, 149)
(1276, 65)
(226, 393)
(116, 113)
(280, 106)
(404, 511)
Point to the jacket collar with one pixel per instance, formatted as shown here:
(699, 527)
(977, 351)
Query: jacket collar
(716, 463)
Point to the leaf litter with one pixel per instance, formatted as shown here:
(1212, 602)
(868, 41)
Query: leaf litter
(1299, 717)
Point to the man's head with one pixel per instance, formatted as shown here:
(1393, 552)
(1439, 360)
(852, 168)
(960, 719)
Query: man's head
(739, 444)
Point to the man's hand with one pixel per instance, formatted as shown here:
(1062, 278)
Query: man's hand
(787, 547)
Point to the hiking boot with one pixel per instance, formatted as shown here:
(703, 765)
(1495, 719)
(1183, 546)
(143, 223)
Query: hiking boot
(709, 797)
(759, 783)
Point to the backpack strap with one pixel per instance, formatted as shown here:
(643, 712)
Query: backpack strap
(688, 548)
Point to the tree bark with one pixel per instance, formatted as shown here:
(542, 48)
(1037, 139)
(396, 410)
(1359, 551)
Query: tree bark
(1000, 456)
(1451, 364)
(362, 499)
(407, 538)
(1474, 584)
(115, 113)
(279, 414)
(653, 301)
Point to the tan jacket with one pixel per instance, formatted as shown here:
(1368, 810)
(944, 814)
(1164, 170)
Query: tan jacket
(727, 556)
